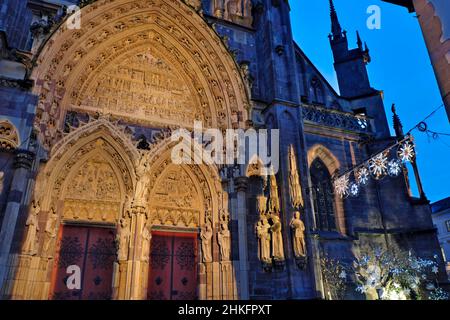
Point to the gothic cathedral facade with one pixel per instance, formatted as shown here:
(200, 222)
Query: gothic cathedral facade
(88, 187)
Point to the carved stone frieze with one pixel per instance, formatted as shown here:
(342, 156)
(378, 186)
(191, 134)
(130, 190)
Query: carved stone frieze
(335, 119)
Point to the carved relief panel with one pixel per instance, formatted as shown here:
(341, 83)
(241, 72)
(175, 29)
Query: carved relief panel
(175, 200)
(143, 86)
(93, 192)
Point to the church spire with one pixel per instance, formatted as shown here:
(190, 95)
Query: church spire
(398, 127)
(359, 41)
(336, 30)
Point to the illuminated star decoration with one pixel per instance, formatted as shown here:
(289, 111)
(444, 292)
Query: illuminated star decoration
(394, 168)
(341, 186)
(362, 176)
(354, 189)
(378, 165)
(406, 152)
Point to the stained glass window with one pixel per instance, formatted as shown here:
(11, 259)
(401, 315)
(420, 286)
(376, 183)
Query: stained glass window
(323, 198)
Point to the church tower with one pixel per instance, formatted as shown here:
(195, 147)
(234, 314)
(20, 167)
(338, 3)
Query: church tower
(350, 64)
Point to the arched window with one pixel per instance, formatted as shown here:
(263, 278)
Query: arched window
(317, 91)
(323, 198)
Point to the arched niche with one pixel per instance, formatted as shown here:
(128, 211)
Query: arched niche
(332, 164)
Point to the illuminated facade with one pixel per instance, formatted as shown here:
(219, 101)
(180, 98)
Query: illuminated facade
(88, 187)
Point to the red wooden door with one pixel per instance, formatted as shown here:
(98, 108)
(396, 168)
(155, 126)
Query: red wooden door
(173, 266)
(92, 250)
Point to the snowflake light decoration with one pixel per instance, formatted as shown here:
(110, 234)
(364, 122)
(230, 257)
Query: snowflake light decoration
(406, 152)
(362, 176)
(378, 165)
(341, 186)
(394, 168)
(354, 189)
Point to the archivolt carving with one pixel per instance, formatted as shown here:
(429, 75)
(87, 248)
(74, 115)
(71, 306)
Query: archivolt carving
(71, 60)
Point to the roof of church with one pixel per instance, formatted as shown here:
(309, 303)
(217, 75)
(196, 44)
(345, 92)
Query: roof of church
(440, 205)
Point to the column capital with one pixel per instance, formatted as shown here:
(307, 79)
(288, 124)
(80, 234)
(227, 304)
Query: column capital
(241, 183)
(24, 159)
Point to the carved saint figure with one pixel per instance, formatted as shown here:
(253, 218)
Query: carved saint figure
(274, 200)
(298, 228)
(146, 239)
(224, 239)
(295, 189)
(122, 240)
(32, 224)
(50, 230)
(262, 231)
(277, 238)
(206, 236)
(262, 205)
(141, 184)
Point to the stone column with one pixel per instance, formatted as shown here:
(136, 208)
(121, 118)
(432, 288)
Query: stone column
(241, 184)
(138, 222)
(16, 201)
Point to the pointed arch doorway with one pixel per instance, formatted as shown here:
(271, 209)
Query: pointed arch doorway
(173, 263)
(84, 265)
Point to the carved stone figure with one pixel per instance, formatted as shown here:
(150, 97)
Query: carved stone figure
(123, 240)
(142, 181)
(295, 189)
(50, 230)
(274, 200)
(32, 224)
(206, 236)
(238, 11)
(263, 233)
(146, 239)
(277, 239)
(262, 205)
(224, 239)
(298, 228)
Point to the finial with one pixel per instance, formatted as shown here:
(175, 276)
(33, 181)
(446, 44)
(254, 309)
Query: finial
(336, 29)
(398, 127)
(359, 42)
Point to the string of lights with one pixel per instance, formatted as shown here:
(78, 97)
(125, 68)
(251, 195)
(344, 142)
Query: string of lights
(383, 164)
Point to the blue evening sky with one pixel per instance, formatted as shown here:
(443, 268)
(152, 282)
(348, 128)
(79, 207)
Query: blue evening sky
(400, 67)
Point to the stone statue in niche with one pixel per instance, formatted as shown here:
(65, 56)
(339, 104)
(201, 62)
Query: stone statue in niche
(50, 230)
(123, 240)
(206, 237)
(237, 11)
(295, 189)
(142, 179)
(32, 224)
(298, 228)
(263, 233)
(277, 239)
(274, 200)
(262, 205)
(224, 239)
(146, 240)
